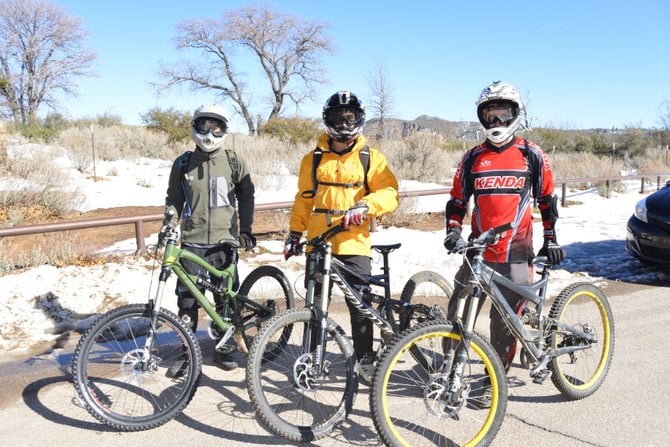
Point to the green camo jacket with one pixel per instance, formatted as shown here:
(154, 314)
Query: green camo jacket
(207, 186)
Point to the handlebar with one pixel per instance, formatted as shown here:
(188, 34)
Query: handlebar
(323, 237)
(488, 237)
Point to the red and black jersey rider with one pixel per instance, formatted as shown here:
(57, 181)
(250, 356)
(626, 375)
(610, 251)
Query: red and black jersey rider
(503, 176)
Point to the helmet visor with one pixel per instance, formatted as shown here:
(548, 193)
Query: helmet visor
(205, 125)
(342, 116)
(495, 114)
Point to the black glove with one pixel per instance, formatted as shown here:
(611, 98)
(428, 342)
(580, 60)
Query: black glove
(554, 253)
(246, 240)
(292, 245)
(356, 214)
(454, 242)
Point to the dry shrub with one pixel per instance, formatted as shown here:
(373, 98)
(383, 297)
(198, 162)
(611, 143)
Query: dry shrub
(403, 216)
(58, 249)
(270, 160)
(115, 143)
(36, 182)
(654, 161)
(421, 157)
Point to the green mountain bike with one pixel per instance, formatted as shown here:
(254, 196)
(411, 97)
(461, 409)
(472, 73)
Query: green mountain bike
(139, 365)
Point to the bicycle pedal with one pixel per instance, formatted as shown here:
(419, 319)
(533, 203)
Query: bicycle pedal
(541, 376)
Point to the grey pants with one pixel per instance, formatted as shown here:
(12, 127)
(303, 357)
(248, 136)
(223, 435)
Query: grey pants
(502, 339)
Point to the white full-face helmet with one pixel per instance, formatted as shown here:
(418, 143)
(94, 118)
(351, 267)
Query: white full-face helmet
(344, 116)
(499, 109)
(209, 127)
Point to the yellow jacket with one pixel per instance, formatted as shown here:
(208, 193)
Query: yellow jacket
(343, 168)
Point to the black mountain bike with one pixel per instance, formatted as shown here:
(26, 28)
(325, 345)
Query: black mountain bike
(139, 365)
(302, 393)
(437, 397)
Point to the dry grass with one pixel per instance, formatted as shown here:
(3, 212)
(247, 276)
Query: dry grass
(40, 190)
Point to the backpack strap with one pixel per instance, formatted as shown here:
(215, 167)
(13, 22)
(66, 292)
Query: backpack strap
(365, 161)
(183, 162)
(364, 155)
(234, 165)
(316, 159)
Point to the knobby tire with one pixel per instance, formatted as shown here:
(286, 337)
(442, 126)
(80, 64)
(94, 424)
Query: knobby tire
(409, 400)
(119, 385)
(580, 374)
(286, 408)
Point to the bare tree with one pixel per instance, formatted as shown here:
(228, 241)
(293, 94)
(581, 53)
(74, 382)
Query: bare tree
(526, 119)
(286, 48)
(41, 52)
(381, 97)
(664, 121)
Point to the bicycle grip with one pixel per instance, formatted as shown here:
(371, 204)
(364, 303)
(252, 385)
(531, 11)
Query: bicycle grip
(504, 227)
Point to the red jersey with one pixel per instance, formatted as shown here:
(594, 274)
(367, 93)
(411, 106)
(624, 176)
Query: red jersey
(502, 183)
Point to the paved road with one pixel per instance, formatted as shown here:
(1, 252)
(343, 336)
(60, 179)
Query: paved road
(36, 404)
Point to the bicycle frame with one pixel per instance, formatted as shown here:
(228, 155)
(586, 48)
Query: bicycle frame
(485, 281)
(334, 270)
(231, 302)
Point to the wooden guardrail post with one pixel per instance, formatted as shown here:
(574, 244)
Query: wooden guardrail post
(564, 195)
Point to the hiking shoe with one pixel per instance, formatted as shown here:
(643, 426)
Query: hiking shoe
(178, 369)
(224, 360)
(366, 368)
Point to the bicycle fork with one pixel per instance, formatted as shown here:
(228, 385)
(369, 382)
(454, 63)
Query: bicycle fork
(457, 353)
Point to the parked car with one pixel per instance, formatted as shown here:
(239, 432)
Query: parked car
(648, 229)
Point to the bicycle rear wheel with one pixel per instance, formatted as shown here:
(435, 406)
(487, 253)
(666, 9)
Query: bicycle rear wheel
(411, 404)
(429, 292)
(122, 384)
(288, 398)
(580, 373)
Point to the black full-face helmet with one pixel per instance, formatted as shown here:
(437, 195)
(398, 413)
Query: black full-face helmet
(344, 116)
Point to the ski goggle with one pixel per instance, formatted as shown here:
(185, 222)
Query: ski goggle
(343, 116)
(205, 125)
(497, 114)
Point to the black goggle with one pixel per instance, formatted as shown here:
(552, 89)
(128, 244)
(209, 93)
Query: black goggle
(497, 114)
(340, 117)
(214, 126)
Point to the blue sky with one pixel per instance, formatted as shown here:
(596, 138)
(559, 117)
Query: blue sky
(578, 64)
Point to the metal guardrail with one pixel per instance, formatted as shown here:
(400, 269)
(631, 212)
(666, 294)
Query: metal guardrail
(139, 221)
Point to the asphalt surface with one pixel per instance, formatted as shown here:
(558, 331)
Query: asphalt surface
(37, 404)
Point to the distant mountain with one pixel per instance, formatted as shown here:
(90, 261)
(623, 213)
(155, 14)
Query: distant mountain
(396, 128)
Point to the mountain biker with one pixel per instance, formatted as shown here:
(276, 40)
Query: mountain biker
(502, 175)
(341, 191)
(204, 186)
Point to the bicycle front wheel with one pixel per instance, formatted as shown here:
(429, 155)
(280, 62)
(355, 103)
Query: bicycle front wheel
(290, 397)
(429, 293)
(269, 286)
(132, 377)
(413, 404)
(580, 373)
